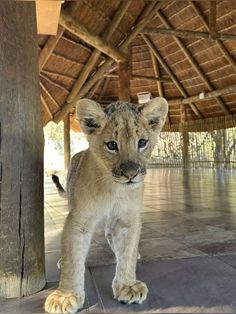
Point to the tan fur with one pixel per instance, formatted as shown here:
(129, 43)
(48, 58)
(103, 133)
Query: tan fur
(97, 189)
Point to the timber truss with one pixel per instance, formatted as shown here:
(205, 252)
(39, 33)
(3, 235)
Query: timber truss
(106, 61)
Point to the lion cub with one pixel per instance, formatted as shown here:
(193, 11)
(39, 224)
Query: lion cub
(106, 182)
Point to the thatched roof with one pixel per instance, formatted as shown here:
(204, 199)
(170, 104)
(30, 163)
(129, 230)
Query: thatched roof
(197, 64)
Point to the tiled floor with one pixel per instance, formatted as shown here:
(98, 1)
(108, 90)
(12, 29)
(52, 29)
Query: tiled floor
(187, 247)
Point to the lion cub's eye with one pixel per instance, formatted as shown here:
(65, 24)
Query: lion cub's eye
(112, 145)
(142, 143)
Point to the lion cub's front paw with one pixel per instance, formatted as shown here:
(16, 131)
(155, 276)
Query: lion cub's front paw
(136, 293)
(60, 302)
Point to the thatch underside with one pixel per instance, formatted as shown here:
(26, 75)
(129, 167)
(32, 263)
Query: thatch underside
(198, 64)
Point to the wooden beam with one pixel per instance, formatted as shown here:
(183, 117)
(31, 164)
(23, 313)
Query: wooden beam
(185, 33)
(50, 81)
(72, 25)
(156, 71)
(170, 73)
(95, 88)
(49, 95)
(220, 44)
(194, 64)
(47, 13)
(46, 107)
(148, 13)
(49, 47)
(212, 19)
(157, 74)
(185, 136)
(209, 95)
(107, 80)
(142, 77)
(66, 133)
(92, 61)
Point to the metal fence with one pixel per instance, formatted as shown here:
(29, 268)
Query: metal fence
(215, 148)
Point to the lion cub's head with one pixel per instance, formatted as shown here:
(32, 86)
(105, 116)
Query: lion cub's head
(122, 136)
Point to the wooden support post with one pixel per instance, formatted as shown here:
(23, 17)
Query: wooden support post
(66, 141)
(21, 154)
(185, 136)
(124, 81)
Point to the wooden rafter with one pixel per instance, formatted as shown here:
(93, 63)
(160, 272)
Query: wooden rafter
(156, 71)
(194, 63)
(49, 47)
(93, 59)
(107, 80)
(46, 107)
(148, 13)
(157, 74)
(186, 33)
(170, 73)
(49, 95)
(95, 88)
(72, 25)
(54, 83)
(209, 95)
(220, 45)
(143, 77)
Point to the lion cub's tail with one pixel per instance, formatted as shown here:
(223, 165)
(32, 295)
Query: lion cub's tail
(59, 187)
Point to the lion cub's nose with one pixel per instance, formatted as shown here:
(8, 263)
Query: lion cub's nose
(129, 169)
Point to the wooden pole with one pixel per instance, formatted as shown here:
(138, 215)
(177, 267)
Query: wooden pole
(185, 136)
(143, 77)
(66, 141)
(21, 154)
(185, 33)
(124, 81)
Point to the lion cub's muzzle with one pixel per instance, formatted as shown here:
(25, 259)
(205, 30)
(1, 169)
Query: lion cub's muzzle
(129, 172)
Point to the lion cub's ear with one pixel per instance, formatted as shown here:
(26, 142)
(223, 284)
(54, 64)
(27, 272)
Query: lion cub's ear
(90, 116)
(155, 112)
